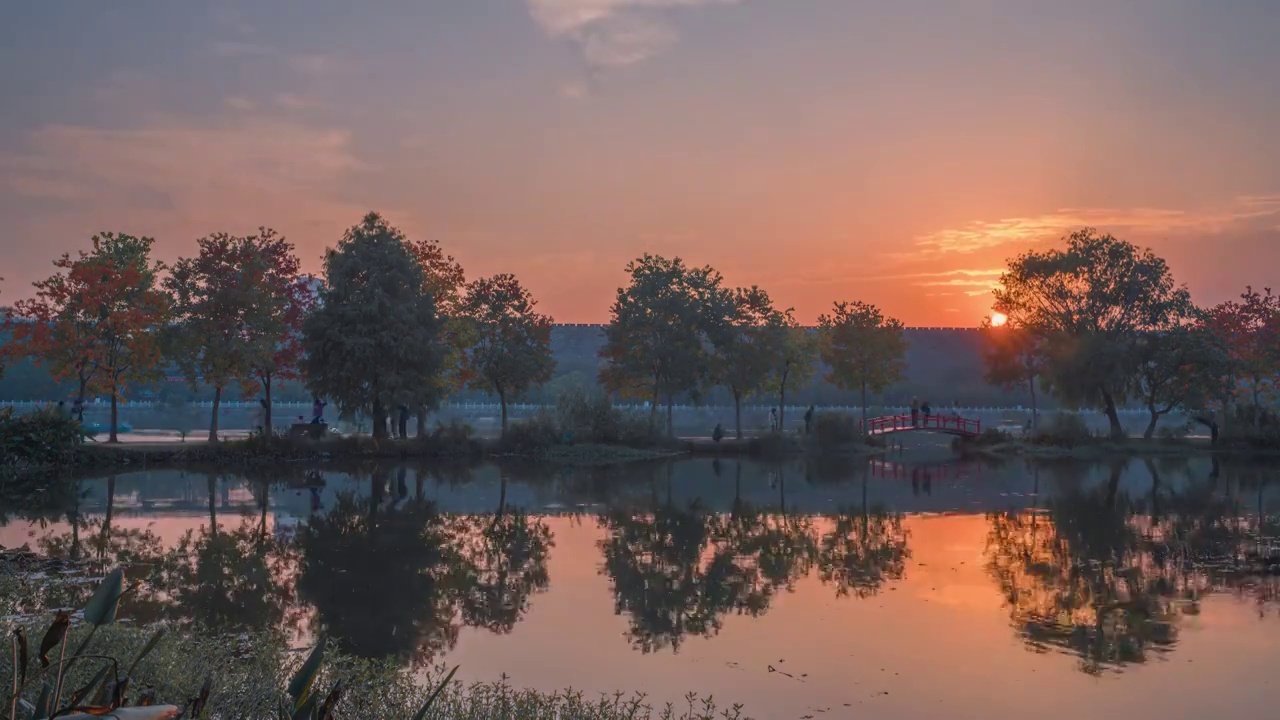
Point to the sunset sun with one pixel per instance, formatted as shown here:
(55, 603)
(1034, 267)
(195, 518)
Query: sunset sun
(998, 319)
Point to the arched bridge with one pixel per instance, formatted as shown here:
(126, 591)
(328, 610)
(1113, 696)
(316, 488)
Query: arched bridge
(946, 424)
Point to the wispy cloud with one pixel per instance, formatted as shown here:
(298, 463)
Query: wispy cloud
(614, 33)
(180, 179)
(981, 235)
(240, 103)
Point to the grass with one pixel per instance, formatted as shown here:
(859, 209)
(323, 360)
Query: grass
(251, 673)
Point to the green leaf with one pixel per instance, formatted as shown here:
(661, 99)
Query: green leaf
(300, 685)
(42, 704)
(432, 700)
(21, 638)
(101, 609)
(306, 710)
(146, 650)
(78, 696)
(54, 636)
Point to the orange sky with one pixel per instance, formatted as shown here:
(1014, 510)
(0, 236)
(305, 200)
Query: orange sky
(821, 150)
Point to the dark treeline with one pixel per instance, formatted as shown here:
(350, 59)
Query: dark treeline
(393, 328)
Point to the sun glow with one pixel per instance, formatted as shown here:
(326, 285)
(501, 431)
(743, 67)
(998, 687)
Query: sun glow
(998, 319)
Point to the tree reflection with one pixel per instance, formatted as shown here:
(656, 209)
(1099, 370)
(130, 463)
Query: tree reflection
(504, 563)
(866, 547)
(227, 580)
(1086, 577)
(672, 576)
(378, 576)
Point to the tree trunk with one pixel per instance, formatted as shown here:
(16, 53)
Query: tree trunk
(1035, 413)
(1151, 426)
(115, 414)
(211, 481)
(266, 413)
(782, 400)
(213, 421)
(379, 420)
(1117, 430)
(864, 408)
(737, 412)
(106, 518)
(671, 425)
(421, 416)
(1255, 411)
(653, 410)
(502, 399)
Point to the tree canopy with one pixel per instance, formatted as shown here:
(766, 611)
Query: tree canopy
(373, 342)
(1090, 301)
(863, 349)
(511, 342)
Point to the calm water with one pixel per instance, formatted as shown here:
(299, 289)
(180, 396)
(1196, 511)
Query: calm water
(882, 590)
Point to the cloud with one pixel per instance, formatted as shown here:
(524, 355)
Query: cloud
(291, 101)
(240, 103)
(303, 63)
(613, 33)
(981, 235)
(181, 180)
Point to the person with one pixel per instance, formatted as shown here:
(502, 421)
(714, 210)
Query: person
(808, 420)
(915, 412)
(262, 416)
(773, 419)
(317, 411)
(62, 409)
(404, 422)
(77, 410)
(926, 411)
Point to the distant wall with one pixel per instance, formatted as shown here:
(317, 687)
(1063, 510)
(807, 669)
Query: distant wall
(944, 365)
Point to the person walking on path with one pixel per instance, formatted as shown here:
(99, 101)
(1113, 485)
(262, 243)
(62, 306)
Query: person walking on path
(773, 419)
(317, 411)
(808, 420)
(915, 412)
(926, 410)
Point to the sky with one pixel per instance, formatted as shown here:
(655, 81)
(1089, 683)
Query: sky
(896, 153)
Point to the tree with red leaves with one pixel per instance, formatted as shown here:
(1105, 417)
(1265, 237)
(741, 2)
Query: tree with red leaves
(512, 348)
(446, 282)
(98, 319)
(239, 306)
(1250, 331)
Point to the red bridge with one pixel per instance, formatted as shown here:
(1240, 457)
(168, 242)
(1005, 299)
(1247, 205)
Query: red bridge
(946, 424)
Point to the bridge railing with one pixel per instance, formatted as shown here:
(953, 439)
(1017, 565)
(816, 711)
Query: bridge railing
(952, 423)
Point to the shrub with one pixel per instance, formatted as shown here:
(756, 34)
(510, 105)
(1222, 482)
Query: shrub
(531, 436)
(591, 417)
(46, 437)
(1066, 430)
(832, 431)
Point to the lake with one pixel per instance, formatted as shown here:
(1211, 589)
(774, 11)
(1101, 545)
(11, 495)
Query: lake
(884, 588)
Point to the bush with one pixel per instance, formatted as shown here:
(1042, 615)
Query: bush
(45, 437)
(1066, 430)
(832, 431)
(591, 417)
(534, 435)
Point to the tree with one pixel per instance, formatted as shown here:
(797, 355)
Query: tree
(1175, 367)
(1012, 355)
(236, 305)
(446, 282)
(657, 340)
(747, 350)
(98, 319)
(797, 350)
(1091, 301)
(862, 348)
(287, 299)
(373, 341)
(512, 341)
(1250, 331)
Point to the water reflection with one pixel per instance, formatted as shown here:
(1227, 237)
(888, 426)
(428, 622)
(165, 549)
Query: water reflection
(1103, 562)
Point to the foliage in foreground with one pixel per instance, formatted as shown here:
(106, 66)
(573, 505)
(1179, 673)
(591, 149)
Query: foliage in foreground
(40, 438)
(178, 674)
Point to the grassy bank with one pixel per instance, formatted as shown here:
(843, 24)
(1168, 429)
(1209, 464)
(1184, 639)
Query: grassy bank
(243, 675)
(1069, 437)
